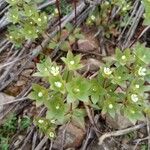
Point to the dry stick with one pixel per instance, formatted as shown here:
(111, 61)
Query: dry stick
(134, 26)
(41, 144)
(129, 20)
(140, 140)
(120, 132)
(34, 140)
(148, 130)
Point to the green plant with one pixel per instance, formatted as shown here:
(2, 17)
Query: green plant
(119, 87)
(65, 8)
(10, 127)
(6, 130)
(101, 16)
(24, 122)
(28, 22)
(146, 4)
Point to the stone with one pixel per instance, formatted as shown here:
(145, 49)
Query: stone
(20, 83)
(86, 45)
(119, 122)
(4, 98)
(73, 137)
(27, 73)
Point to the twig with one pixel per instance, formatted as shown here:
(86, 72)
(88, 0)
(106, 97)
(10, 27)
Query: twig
(41, 144)
(120, 132)
(140, 140)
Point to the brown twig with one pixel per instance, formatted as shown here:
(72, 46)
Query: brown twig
(120, 132)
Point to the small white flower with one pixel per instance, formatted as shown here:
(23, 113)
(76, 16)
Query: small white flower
(123, 57)
(10, 37)
(40, 94)
(39, 19)
(132, 111)
(40, 121)
(29, 32)
(119, 77)
(93, 18)
(77, 90)
(107, 71)
(45, 17)
(137, 86)
(134, 98)
(58, 84)
(31, 22)
(51, 134)
(142, 71)
(56, 11)
(57, 107)
(124, 8)
(53, 121)
(107, 3)
(72, 62)
(54, 70)
(45, 69)
(110, 106)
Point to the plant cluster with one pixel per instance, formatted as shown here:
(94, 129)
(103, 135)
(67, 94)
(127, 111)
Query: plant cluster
(28, 22)
(10, 126)
(146, 4)
(101, 16)
(119, 87)
(65, 8)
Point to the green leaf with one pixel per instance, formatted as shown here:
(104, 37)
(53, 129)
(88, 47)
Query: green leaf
(57, 84)
(56, 109)
(39, 93)
(29, 10)
(142, 53)
(78, 89)
(29, 31)
(72, 62)
(13, 15)
(133, 113)
(78, 117)
(96, 91)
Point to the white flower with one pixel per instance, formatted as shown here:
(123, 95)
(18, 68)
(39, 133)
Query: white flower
(51, 134)
(56, 11)
(57, 107)
(10, 37)
(119, 77)
(53, 121)
(93, 17)
(107, 71)
(72, 62)
(45, 17)
(77, 90)
(58, 84)
(40, 121)
(54, 70)
(132, 111)
(39, 19)
(40, 94)
(110, 106)
(45, 69)
(134, 98)
(142, 71)
(123, 57)
(137, 86)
